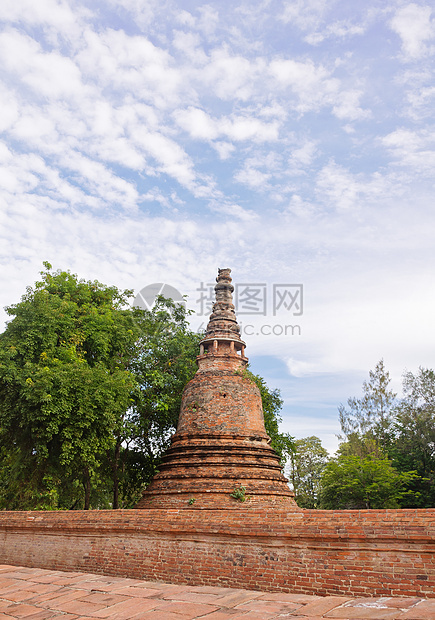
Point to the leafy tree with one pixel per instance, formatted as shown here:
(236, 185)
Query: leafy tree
(370, 416)
(356, 482)
(414, 442)
(306, 465)
(64, 389)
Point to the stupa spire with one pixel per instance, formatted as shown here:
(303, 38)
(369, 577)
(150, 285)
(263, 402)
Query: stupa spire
(222, 336)
(221, 451)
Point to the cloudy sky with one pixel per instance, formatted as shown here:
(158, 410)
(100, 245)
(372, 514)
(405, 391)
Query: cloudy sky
(293, 141)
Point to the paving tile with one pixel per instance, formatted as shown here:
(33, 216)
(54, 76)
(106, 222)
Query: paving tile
(405, 602)
(86, 584)
(79, 607)
(49, 577)
(42, 588)
(112, 586)
(195, 597)
(223, 614)
(237, 597)
(268, 607)
(322, 605)
(156, 615)
(402, 603)
(19, 595)
(44, 614)
(21, 610)
(127, 609)
(6, 582)
(255, 615)
(303, 599)
(186, 609)
(363, 613)
(57, 602)
(170, 590)
(48, 596)
(211, 590)
(65, 617)
(103, 598)
(296, 617)
(425, 610)
(137, 591)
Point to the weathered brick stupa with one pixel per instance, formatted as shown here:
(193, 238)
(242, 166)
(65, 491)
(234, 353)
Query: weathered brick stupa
(220, 454)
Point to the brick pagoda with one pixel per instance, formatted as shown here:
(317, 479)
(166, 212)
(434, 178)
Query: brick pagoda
(220, 454)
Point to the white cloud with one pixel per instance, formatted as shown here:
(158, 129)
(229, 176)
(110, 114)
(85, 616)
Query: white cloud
(48, 74)
(414, 150)
(306, 14)
(339, 188)
(348, 106)
(313, 85)
(304, 155)
(231, 76)
(130, 64)
(58, 16)
(202, 126)
(199, 124)
(234, 211)
(416, 29)
(224, 149)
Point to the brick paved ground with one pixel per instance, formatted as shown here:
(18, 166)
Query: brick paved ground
(36, 594)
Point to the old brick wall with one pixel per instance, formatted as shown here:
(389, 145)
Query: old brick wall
(378, 552)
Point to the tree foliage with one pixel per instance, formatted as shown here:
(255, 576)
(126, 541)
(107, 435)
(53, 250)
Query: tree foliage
(388, 437)
(355, 482)
(414, 439)
(306, 465)
(371, 415)
(64, 389)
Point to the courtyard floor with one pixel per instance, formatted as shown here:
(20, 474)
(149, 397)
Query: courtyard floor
(37, 594)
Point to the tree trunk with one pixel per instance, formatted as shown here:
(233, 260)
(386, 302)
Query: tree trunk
(87, 487)
(115, 474)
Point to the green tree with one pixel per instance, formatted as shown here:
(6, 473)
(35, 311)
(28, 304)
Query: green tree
(65, 387)
(306, 465)
(356, 482)
(414, 439)
(371, 416)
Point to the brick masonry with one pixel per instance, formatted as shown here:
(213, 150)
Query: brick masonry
(351, 553)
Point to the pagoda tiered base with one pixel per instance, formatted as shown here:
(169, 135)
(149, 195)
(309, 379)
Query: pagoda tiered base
(205, 471)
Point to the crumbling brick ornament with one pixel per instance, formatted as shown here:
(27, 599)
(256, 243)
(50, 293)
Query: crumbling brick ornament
(221, 443)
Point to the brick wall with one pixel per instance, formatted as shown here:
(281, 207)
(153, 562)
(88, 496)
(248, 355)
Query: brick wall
(377, 552)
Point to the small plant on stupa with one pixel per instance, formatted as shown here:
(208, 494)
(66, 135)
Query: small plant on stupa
(240, 494)
(191, 501)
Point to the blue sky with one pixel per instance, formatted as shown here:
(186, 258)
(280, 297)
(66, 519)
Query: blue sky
(292, 141)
